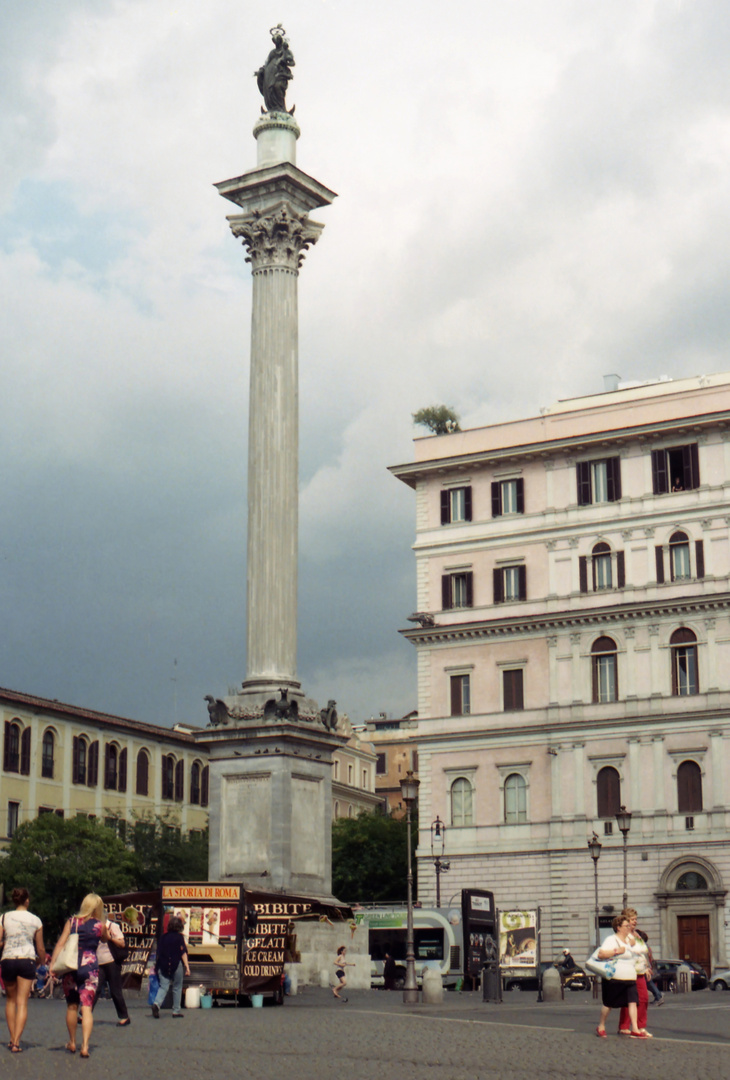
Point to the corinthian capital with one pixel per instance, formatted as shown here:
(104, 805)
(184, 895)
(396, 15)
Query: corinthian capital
(278, 238)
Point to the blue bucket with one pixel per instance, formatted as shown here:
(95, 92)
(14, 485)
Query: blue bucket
(206, 1001)
(257, 1000)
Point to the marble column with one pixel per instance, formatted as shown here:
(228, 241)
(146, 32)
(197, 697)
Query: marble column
(276, 231)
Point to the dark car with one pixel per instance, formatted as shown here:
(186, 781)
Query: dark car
(666, 974)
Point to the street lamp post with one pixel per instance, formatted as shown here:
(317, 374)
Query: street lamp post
(409, 792)
(623, 819)
(438, 846)
(594, 846)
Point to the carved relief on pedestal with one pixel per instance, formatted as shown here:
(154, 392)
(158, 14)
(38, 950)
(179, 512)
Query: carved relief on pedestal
(277, 239)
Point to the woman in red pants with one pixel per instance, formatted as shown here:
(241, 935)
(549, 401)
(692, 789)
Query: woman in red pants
(640, 949)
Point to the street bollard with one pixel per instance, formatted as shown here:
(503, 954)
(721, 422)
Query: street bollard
(684, 976)
(492, 982)
(433, 987)
(551, 988)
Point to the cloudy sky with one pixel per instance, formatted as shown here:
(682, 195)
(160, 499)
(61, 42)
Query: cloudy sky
(531, 195)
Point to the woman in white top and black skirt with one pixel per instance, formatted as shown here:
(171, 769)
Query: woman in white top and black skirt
(620, 991)
(21, 937)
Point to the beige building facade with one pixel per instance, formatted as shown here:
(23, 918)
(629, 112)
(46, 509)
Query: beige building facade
(573, 642)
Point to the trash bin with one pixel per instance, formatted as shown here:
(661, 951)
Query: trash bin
(491, 982)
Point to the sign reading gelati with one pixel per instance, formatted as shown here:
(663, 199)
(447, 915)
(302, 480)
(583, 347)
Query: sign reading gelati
(136, 914)
(177, 893)
(264, 955)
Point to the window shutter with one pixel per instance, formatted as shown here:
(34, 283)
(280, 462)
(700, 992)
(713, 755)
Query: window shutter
(179, 781)
(583, 573)
(620, 570)
(25, 752)
(522, 576)
(75, 760)
(496, 500)
(469, 588)
(445, 508)
(659, 477)
(583, 473)
(467, 504)
(446, 592)
(613, 477)
(6, 747)
(142, 773)
(93, 777)
(498, 585)
(204, 787)
(456, 695)
(659, 552)
(700, 557)
(691, 466)
(122, 781)
(520, 496)
(109, 779)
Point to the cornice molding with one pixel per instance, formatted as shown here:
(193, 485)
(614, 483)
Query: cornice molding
(549, 623)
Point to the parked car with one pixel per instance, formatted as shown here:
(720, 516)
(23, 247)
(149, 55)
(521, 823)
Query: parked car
(721, 979)
(666, 970)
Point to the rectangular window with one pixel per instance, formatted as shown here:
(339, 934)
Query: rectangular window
(381, 765)
(414, 760)
(455, 505)
(13, 818)
(460, 695)
(605, 676)
(675, 469)
(685, 670)
(508, 497)
(513, 690)
(510, 583)
(457, 590)
(680, 561)
(599, 481)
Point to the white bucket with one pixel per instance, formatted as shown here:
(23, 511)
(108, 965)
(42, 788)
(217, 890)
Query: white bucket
(192, 997)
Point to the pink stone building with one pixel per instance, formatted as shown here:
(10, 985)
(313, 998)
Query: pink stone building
(573, 574)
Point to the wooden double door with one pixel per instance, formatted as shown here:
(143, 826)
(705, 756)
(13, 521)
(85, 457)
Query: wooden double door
(693, 932)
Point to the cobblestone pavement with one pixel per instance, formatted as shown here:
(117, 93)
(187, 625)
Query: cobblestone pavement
(374, 1037)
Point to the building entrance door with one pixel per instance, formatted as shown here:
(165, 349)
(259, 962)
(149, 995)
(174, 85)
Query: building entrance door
(693, 932)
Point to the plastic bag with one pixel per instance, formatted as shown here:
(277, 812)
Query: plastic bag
(605, 968)
(154, 987)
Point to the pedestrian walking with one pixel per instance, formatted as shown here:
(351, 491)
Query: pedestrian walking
(651, 986)
(21, 938)
(641, 959)
(80, 986)
(340, 964)
(172, 960)
(110, 972)
(389, 972)
(619, 991)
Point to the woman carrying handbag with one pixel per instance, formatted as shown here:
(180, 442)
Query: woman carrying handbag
(620, 990)
(79, 984)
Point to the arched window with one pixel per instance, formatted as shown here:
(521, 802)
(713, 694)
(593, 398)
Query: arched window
(683, 644)
(608, 786)
(143, 773)
(49, 751)
(462, 802)
(689, 788)
(79, 759)
(602, 575)
(111, 765)
(11, 747)
(204, 786)
(515, 799)
(605, 669)
(349, 811)
(679, 556)
(195, 783)
(122, 773)
(180, 781)
(691, 881)
(168, 776)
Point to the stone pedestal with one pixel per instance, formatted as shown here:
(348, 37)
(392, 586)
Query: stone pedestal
(271, 805)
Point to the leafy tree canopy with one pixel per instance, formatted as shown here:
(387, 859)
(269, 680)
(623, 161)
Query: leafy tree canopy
(165, 854)
(59, 861)
(369, 858)
(439, 419)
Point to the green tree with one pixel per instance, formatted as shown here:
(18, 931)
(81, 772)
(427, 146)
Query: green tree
(369, 858)
(59, 861)
(439, 419)
(164, 854)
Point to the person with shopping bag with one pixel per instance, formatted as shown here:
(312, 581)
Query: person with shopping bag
(619, 990)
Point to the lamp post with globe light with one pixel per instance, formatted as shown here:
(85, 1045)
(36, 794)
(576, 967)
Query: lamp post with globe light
(594, 846)
(623, 820)
(409, 792)
(438, 846)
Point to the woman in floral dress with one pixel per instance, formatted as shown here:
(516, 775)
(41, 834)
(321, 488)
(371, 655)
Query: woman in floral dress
(80, 986)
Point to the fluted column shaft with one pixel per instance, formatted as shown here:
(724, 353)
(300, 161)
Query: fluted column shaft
(273, 477)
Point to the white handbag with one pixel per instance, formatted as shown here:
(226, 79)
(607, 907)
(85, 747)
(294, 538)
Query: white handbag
(68, 958)
(605, 968)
